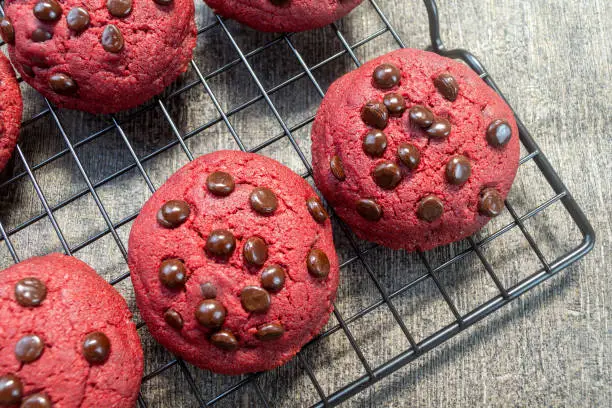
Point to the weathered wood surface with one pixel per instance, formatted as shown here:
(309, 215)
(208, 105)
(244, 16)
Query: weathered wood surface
(550, 348)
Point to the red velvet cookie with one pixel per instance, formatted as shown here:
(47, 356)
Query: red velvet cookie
(283, 15)
(10, 110)
(66, 338)
(233, 263)
(99, 56)
(414, 150)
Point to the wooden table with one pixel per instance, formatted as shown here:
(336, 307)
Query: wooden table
(550, 348)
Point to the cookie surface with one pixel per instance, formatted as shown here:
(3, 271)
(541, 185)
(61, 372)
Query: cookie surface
(414, 150)
(99, 56)
(11, 107)
(233, 263)
(283, 15)
(67, 337)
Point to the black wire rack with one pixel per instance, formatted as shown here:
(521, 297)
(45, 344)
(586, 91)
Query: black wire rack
(358, 253)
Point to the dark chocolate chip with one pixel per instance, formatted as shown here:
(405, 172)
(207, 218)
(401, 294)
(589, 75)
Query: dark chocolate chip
(395, 104)
(62, 84)
(112, 39)
(273, 278)
(78, 19)
(220, 183)
(369, 209)
(119, 8)
(409, 154)
(47, 10)
(172, 273)
(270, 331)
(316, 209)
(173, 319)
(499, 133)
(96, 347)
(458, 170)
(36, 401)
(7, 30)
(490, 202)
(210, 313)
(430, 208)
(421, 116)
(255, 251)
(29, 348)
(317, 263)
(263, 200)
(386, 76)
(225, 340)
(255, 299)
(387, 175)
(221, 243)
(374, 143)
(41, 35)
(447, 85)
(280, 2)
(30, 292)
(208, 290)
(28, 70)
(440, 129)
(173, 213)
(337, 168)
(163, 2)
(375, 114)
(11, 390)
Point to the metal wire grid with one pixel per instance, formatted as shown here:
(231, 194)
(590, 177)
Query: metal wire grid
(373, 374)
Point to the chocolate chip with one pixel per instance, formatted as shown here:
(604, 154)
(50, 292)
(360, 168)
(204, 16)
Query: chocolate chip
(499, 133)
(29, 348)
(7, 30)
(173, 213)
(220, 183)
(386, 76)
(41, 35)
(221, 243)
(440, 129)
(255, 251)
(255, 299)
(30, 292)
(36, 401)
(173, 319)
(369, 209)
(280, 2)
(409, 154)
(96, 347)
(112, 39)
(337, 168)
(375, 114)
(28, 70)
(163, 2)
(316, 209)
(62, 84)
(47, 10)
(421, 116)
(172, 273)
(208, 290)
(263, 200)
(430, 208)
(490, 202)
(11, 390)
(387, 175)
(458, 170)
(273, 278)
(317, 263)
(78, 19)
(395, 104)
(447, 85)
(210, 313)
(119, 8)
(270, 331)
(225, 340)
(374, 143)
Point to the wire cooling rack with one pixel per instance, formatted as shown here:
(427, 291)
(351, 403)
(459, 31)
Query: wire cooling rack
(187, 386)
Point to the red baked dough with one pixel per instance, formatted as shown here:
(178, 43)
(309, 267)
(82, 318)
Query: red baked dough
(11, 107)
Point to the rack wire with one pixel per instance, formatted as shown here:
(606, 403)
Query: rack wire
(358, 254)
